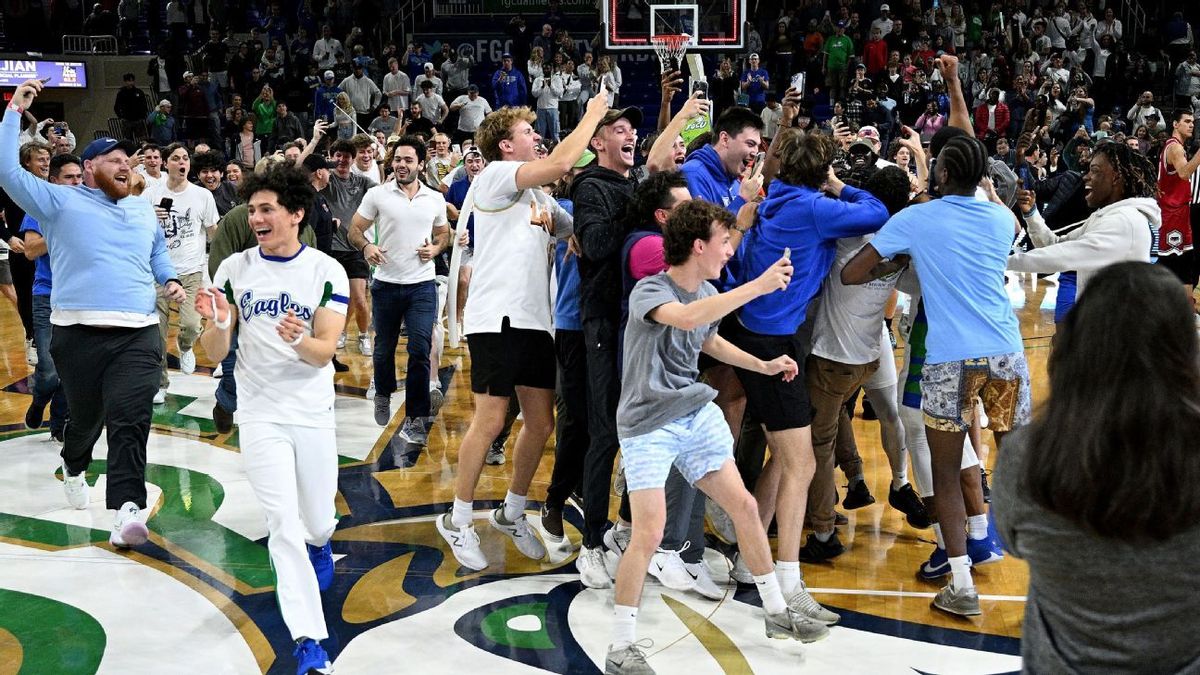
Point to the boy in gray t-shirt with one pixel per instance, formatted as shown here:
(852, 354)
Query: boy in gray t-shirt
(665, 417)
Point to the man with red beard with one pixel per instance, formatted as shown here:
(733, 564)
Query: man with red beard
(109, 252)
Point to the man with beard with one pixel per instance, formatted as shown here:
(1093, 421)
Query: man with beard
(110, 252)
(212, 178)
(410, 230)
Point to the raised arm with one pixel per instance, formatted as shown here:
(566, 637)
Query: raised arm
(661, 158)
(549, 169)
(960, 115)
(715, 307)
(37, 197)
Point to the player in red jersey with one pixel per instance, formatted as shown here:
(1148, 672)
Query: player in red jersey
(1175, 198)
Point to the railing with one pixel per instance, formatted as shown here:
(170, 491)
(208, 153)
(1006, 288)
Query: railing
(405, 21)
(1133, 18)
(89, 44)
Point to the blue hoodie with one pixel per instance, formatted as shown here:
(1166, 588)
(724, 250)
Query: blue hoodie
(708, 180)
(510, 88)
(809, 222)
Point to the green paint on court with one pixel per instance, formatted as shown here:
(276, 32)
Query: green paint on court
(495, 627)
(55, 637)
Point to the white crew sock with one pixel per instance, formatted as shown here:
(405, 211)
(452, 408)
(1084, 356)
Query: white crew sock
(937, 534)
(960, 568)
(624, 630)
(977, 526)
(462, 514)
(823, 537)
(768, 591)
(900, 472)
(788, 574)
(514, 506)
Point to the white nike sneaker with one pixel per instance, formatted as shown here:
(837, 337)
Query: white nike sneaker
(527, 542)
(76, 489)
(128, 529)
(464, 543)
(558, 549)
(187, 362)
(341, 343)
(160, 397)
(593, 571)
(703, 582)
(667, 567)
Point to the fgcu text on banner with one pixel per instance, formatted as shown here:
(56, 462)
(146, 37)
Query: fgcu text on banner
(64, 74)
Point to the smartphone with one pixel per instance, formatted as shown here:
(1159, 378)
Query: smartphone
(166, 203)
(787, 253)
(759, 159)
(700, 86)
(456, 148)
(798, 82)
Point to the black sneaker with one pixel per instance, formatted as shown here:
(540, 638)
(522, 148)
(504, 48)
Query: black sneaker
(552, 520)
(858, 495)
(339, 367)
(815, 550)
(906, 501)
(868, 411)
(987, 489)
(223, 419)
(35, 414)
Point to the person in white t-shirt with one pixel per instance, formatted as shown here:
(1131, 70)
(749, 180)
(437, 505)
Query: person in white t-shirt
(187, 214)
(151, 166)
(508, 317)
(288, 303)
(410, 230)
(472, 108)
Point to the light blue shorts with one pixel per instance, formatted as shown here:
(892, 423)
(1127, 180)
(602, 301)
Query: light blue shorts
(697, 444)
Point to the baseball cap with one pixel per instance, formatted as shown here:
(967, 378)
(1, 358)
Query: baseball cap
(428, 66)
(1004, 180)
(314, 162)
(164, 102)
(473, 87)
(472, 150)
(861, 144)
(633, 114)
(884, 8)
(187, 74)
(329, 74)
(585, 159)
(506, 55)
(841, 24)
(103, 146)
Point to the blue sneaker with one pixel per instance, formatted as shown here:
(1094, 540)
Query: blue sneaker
(321, 558)
(936, 567)
(984, 552)
(311, 658)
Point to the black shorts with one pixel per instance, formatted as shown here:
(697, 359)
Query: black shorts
(1185, 266)
(353, 262)
(514, 357)
(778, 405)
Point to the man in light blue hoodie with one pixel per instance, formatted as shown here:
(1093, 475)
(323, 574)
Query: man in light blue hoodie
(108, 252)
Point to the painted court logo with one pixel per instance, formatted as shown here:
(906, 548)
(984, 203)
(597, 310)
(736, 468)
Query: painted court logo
(273, 307)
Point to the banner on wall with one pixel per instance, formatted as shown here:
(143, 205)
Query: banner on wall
(487, 7)
(58, 74)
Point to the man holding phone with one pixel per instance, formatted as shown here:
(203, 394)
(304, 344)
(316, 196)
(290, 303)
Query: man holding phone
(187, 214)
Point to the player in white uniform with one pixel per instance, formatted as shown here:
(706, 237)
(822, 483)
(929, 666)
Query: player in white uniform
(291, 302)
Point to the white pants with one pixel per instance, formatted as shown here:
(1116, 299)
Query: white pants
(913, 422)
(293, 471)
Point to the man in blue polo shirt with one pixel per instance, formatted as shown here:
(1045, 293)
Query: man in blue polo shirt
(47, 390)
(109, 252)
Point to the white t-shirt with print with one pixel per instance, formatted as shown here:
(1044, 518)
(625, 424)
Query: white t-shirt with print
(274, 384)
(402, 225)
(511, 276)
(193, 210)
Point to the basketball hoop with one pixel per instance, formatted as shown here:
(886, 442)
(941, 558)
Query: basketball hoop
(670, 50)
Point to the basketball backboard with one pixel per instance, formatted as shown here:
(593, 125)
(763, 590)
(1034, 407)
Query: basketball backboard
(712, 24)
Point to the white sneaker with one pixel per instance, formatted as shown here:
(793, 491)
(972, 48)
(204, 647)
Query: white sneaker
(187, 362)
(364, 344)
(464, 543)
(76, 489)
(720, 522)
(128, 529)
(617, 541)
(667, 567)
(804, 603)
(160, 397)
(558, 549)
(593, 572)
(218, 372)
(30, 353)
(740, 573)
(371, 389)
(703, 582)
(342, 340)
(527, 542)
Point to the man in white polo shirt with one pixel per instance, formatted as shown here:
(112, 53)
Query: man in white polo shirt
(508, 317)
(411, 229)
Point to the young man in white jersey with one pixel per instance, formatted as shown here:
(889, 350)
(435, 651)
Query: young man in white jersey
(667, 418)
(188, 215)
(288, 302)
(508, 317)
(410, 230)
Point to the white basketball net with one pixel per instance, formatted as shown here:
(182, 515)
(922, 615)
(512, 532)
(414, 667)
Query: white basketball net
(670, 50)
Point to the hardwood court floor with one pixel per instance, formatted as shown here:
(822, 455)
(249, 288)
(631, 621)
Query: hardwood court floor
(198, 597)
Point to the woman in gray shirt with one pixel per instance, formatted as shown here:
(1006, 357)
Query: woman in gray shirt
(1099, 493)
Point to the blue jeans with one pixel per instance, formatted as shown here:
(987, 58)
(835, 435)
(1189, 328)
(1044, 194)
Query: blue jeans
(227, 386)
(416, 306)
(547, 124)
(46, 386)
(1065, 299)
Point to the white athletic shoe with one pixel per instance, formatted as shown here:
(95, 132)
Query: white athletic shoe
(739, 573)
(364, 344)
(702, 582)
(187, 362)
(527, 542)
(160, 397)
(593, 570)
(30, 353)
(615, 542)
(804, 603)
(464, 543)
(218, 372)
(342, 340)
(76, 489)
(558, 549)
(720, 522)
(371, 389)
(667, 567)
(128, 529)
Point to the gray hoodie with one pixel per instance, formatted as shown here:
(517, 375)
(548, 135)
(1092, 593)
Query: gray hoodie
(1126, 230)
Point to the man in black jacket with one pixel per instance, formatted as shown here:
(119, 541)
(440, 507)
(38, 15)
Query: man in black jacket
(600, 193)
(131, 107)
